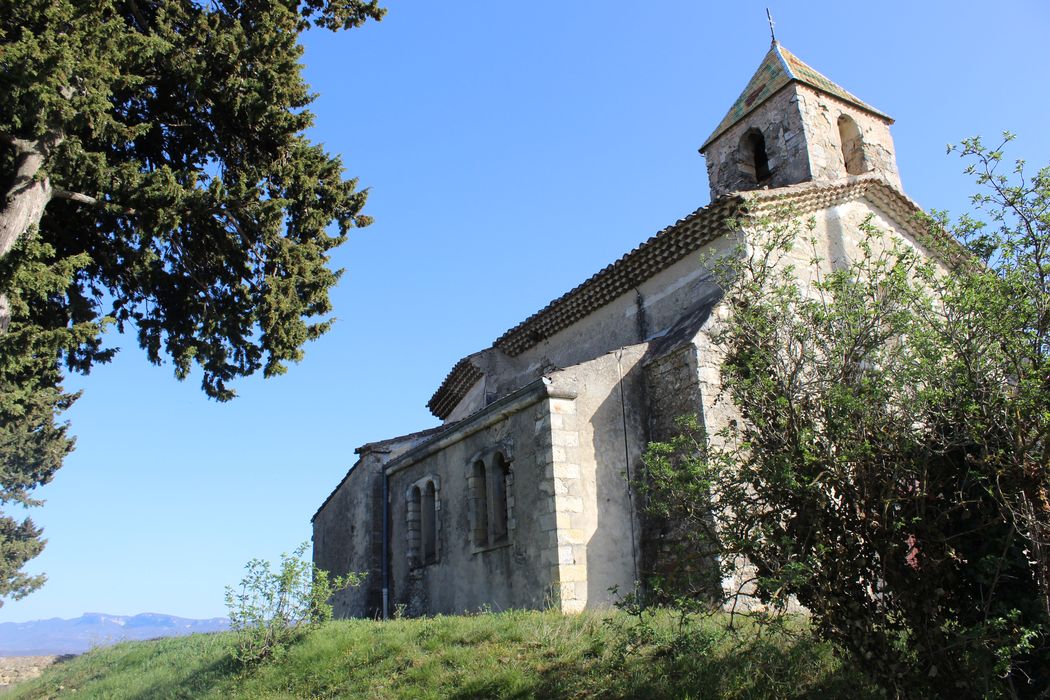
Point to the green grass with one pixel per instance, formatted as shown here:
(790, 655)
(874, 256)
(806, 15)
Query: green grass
(504, 655)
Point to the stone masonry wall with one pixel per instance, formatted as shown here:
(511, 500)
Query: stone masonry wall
(673, 392)
(562, 522)
(467, 576)
(348, 537)
(780, 121)
(801, 131)
(348, 528)
(820, 114)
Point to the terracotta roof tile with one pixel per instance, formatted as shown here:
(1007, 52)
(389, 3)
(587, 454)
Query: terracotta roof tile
(675, 242)
(457, 383)
(654, 255)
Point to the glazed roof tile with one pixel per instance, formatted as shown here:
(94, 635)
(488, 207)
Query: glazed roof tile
(779, 68)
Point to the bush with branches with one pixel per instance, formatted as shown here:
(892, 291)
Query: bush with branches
(271, 609)
(889, 470)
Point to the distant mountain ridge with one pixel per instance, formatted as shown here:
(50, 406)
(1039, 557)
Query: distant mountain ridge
(75, 636)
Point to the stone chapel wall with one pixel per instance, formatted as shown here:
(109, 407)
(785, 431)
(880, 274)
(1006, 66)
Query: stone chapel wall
(467, 575)
(572, 531)
(348, 537)
(821, 114)
(781, 124)
(348, 528)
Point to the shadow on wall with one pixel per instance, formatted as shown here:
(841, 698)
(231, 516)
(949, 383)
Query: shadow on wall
(838, 256)
(619, 437)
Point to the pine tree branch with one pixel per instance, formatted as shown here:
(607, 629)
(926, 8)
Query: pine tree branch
(87, 199)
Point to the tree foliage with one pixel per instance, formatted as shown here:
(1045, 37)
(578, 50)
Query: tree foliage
(889, 470)
(156, 178)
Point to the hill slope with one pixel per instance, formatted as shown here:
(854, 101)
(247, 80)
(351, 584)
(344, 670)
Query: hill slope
(508, 655)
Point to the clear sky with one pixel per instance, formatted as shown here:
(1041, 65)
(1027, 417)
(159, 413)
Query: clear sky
(512, 150)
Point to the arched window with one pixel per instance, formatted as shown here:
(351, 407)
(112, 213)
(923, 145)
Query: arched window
(428, 523)
(479, 504)
(852, 146)
(498, 498)
(413, 518)
(754, 160)
(489, 480)
(758, 149)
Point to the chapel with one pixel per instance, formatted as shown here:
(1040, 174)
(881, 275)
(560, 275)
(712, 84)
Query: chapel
(524, 495)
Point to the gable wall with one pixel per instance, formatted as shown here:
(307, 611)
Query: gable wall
(347, 536)
(836, 237)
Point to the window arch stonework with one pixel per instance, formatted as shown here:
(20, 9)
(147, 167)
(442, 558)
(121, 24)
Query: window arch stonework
(422, 515)
(753, 157)
(477, 497)
(499, 474)
(852, 143)
(490, 479)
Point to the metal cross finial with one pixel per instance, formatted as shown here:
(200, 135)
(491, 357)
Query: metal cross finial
(771, 23)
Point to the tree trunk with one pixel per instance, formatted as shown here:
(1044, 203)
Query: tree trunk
(23, 206)
(1039, 516)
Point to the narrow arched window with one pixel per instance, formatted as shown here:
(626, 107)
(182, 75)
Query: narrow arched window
(752, 157)
(414, 534)
(498, 498)
(428, 523)
(479, 504)
(760, 158)
(852, 146)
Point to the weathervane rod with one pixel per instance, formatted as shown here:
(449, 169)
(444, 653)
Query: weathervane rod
(771, 33)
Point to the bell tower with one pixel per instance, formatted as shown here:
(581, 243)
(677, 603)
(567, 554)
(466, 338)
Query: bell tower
(792, 125)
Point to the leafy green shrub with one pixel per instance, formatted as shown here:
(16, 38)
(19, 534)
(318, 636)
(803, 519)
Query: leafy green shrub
(274, 608)
(890, 468)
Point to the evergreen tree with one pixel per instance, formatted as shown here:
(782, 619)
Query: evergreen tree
(155, 176)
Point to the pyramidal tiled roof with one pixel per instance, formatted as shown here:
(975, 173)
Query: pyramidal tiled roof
(778, 68)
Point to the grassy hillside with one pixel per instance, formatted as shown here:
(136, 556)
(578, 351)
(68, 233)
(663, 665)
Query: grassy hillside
(505, 655)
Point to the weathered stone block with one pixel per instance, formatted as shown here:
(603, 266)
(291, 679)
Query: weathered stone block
(572, 572)
(563, 438)
(565, 470)
(570, 504)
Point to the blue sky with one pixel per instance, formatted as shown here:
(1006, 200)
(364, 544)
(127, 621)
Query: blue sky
(512, 150)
